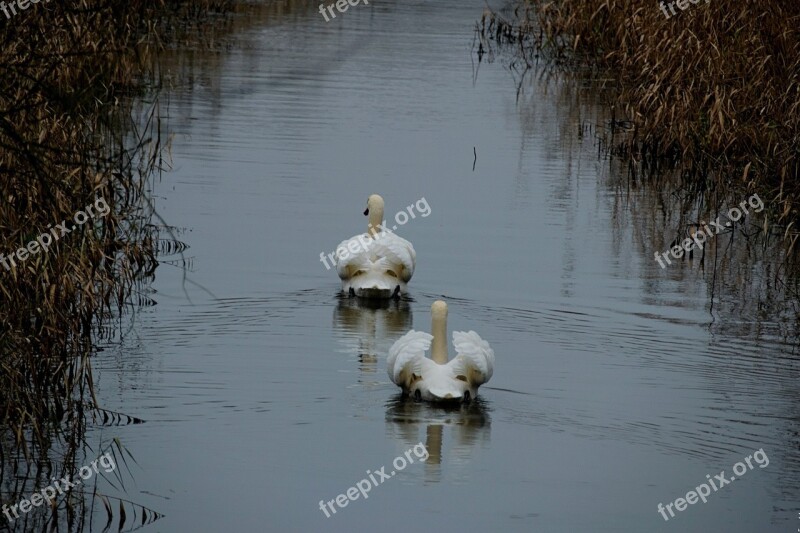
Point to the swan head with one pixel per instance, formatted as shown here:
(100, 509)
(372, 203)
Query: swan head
(439, 310)
(374, 203)
(375, 212)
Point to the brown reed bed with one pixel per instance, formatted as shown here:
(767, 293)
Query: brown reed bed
(67, 140)
(79, 121)
(75, 79)
(713, 91)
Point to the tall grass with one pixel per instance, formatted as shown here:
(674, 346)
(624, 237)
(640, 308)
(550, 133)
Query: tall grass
(76, 78)
(715, 88)
(67, 138)
(80, 119)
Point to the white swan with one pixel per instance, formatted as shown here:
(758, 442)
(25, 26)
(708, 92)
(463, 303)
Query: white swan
(436, 379)
(376, 264)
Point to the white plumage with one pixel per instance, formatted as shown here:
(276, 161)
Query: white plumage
(438, 379)
(376, 264)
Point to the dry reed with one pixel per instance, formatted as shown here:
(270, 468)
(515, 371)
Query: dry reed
(715, 89)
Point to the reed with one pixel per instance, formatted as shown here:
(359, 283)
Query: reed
(714, 89)
(79, 121)
(67, 139)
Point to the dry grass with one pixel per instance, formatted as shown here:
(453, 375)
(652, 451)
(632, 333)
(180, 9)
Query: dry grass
(67, 138)
(716, 88)
(70, 73)
(69, 134)
(76, 78)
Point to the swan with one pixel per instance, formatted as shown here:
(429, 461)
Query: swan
(436, 379)
(376, 264)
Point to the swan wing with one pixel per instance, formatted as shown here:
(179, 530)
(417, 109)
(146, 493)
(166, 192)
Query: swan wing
(407, 355)
(395, 253)
(386, 252)
(352, 262)
(474, 359)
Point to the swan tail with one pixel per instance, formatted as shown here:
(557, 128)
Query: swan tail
(376, 280)
(387, 254)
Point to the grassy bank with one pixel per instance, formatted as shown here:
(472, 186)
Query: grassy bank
(79, 126)
(713, 90)
(67, 140)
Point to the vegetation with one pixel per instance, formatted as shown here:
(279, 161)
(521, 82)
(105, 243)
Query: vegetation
(68, 139)
(713, 90)
(79, 123)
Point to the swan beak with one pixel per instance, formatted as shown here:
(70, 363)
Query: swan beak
(366, 211)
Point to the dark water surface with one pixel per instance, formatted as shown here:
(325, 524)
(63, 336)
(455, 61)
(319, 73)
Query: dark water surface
(615, 387)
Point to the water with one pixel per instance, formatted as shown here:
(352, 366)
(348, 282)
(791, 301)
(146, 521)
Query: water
(616, 388)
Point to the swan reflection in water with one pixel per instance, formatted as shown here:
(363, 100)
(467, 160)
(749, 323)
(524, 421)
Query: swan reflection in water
(452, 434)
(367, 328)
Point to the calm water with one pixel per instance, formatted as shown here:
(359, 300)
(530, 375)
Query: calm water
(615, 388)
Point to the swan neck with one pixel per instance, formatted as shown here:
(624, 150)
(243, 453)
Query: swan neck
(439, 344)
(375, 220)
